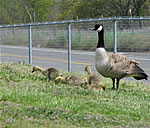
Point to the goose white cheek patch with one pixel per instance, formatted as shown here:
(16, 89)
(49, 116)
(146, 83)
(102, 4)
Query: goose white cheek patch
(99, 29)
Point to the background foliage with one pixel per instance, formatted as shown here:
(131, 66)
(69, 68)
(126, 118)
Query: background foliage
(25, 11)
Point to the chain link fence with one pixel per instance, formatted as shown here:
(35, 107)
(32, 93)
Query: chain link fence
(50, 41)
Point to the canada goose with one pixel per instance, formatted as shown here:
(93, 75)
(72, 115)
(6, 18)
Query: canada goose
(115, 66)
(93, 81)
(52, 73)
(69, 79)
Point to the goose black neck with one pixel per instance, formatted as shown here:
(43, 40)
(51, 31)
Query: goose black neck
(101, 39)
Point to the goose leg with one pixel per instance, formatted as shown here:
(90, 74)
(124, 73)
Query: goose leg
(117, 84)
(113, 83)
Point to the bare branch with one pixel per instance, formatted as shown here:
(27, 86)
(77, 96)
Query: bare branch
(30, 16)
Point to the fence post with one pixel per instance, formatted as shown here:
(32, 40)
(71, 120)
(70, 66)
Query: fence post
(69, 47)
(115, 36)
(30, 44)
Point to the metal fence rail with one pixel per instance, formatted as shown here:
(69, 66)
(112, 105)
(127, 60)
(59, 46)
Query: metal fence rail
(72, 34)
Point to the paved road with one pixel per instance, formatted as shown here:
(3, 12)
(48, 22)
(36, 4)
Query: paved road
(45, 57)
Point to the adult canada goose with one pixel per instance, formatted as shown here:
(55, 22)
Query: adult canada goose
(69, 79)
(115, 66)
(93, 81)
(52, 73)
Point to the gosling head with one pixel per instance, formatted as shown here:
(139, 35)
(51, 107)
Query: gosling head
(35, 68)
(87, 68)
(58, 79)
(102, 86)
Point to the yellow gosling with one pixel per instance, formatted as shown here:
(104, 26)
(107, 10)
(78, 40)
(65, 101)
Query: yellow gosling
(59, 79)
(37, 68)
(93, 81)
(70, 79)
(92, 78)
(52, 73)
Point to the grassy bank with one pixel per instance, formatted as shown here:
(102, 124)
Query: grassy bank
(28, 99)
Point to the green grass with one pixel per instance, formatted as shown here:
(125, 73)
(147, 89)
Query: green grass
(29, 100)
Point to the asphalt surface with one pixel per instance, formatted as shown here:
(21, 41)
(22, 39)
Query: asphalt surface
(58, 58)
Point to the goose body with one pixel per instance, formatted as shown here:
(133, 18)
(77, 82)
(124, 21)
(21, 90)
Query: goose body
(115, 66)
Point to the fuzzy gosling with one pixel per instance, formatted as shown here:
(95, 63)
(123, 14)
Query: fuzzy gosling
(70, 79)
(37, 68)
(93, 81)
(92, 78)
(52, 73)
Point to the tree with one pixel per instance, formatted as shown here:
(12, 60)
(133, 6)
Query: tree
(38, 10)
(122, 7)
(118, 7)
(24, 11)
(10, 12)
(81, 9)
(137, 6)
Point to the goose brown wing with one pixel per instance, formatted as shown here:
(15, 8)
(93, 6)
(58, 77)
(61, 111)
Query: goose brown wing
(122, 64)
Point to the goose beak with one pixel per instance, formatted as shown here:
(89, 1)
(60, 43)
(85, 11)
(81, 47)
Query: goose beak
(92, 29)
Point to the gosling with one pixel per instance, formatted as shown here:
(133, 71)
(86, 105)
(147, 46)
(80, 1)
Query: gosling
(93, 81)
(43, 71)
(52, 73)
(70, 79)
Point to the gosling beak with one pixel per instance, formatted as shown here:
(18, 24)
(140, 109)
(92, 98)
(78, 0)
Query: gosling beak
(32, 71)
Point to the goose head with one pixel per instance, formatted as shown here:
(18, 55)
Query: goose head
(97, 27)
(100, 29)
